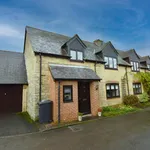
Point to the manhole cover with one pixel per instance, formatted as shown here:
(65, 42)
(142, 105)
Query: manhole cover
(76, 128)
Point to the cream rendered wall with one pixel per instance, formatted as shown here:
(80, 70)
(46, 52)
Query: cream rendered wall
(33, 72)
(24, 98)
(30, 61)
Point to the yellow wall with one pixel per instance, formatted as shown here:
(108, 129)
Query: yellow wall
(33, 72)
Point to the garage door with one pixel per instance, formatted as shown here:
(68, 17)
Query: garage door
(10, 98)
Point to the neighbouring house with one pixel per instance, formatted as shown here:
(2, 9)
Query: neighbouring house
(139, 64)
(13, 82)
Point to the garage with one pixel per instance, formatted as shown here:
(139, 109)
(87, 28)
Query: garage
(10, 98)
(12, 80)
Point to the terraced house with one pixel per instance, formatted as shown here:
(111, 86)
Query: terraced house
(77, 75)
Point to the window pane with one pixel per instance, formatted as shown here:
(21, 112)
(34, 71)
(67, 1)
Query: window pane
(110, 62)
(133, 85)
(137, 65)
(117, 92)
(108, 87)
(106, 60)
(115, 62)
(132, 65)
(80, 55)
(134, 68)
(73, 54)
(112, 87)
(117, 87)
(67, 93)
(114, 93)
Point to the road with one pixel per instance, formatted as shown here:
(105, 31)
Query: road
(127, 132)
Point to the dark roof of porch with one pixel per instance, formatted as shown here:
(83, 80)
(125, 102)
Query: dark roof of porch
(68, 72)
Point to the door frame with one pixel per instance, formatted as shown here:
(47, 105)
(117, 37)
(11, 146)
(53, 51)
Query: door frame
(88, 98)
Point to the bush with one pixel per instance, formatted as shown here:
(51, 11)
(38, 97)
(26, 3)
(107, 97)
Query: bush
(130, 100)
(144, 97)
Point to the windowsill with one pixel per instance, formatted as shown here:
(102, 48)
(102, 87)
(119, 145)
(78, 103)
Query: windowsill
(74, 60)
(135, 71)
(137, 93)
(68, 102)
(109, 98)
(111, 68)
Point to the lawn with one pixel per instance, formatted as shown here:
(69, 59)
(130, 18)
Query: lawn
(117, 110)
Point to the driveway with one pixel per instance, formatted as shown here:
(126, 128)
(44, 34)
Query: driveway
(12, 124)
(128, 132)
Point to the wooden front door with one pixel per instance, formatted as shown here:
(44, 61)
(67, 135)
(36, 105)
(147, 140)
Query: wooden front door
(84, 97)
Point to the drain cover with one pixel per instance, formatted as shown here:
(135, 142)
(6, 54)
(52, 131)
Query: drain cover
(76, 128)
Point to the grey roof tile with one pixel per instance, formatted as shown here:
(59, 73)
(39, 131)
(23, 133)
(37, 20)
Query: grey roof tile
(51, 43)
(12, 68)
(66, 72)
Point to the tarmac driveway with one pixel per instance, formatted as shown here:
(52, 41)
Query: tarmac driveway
(12, 124)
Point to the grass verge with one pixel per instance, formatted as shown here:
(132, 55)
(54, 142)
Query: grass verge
(117, 110)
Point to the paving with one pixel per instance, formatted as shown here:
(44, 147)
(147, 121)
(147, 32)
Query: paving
(127, 132)
(12, 124)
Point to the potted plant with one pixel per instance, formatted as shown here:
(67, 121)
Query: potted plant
(99, 112)
(80, 116)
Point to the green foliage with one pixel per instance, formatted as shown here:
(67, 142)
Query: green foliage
(144, 97)
(26, 116)
(144, 78)
(80, 114)
(130, 100)
(110, 111)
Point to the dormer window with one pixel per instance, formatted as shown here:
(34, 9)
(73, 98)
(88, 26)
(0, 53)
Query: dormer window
(76, 55)
(135, 66)
(110, 62)
(148, 66)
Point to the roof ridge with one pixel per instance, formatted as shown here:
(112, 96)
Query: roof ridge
(11, 51)
(48, 31)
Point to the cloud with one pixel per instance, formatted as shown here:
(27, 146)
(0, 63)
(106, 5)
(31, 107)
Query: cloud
(9, 31)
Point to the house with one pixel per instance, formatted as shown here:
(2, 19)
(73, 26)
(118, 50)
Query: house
(77, 75)
(139, 64)
(70, 82)
(13, 82)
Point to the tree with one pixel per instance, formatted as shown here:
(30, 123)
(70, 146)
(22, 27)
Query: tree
(144, 78)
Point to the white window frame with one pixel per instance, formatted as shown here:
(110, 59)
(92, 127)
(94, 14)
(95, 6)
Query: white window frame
(77, 54)
(111, 62)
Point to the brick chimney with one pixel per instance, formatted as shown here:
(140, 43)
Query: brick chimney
(98, 42)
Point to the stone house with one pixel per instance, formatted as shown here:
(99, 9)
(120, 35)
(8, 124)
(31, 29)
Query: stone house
(77, 75)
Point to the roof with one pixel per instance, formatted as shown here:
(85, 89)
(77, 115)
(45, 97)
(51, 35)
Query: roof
(67, 72)
(51, 43)
(12, 68)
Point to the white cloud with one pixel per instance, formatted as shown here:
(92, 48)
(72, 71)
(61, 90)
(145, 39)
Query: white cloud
(9, 31)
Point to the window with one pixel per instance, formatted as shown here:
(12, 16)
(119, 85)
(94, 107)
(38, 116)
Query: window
(110, 62)
(112, 90)
(76, 55)
(67, 93)
(148, 66)
(135, 66)
(137, 88)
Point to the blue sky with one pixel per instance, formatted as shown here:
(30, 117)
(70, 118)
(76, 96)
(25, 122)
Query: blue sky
(124, 22)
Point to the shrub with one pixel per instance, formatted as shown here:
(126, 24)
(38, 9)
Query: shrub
(144, 97)
(130, 100)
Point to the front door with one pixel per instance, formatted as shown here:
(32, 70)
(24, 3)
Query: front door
(84, 97)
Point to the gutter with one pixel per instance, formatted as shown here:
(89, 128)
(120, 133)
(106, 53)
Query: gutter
(127, 80)
(58, 102)
(40, 78)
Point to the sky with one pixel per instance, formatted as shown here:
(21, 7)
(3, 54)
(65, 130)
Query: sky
(126, 23)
